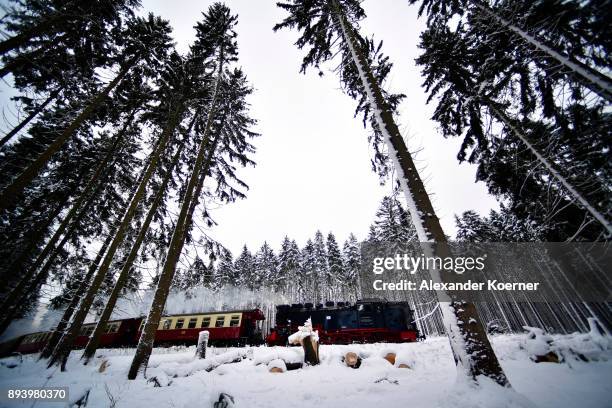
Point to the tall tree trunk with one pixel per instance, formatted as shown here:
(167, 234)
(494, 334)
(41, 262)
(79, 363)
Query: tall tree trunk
(145, 344)
(552, 169)
(589, 77)
(94, 338)
(198, 190)
(31, 116)
(61, 352)
(31, 278)
(74, 301)
(471, 347)
(13, 190)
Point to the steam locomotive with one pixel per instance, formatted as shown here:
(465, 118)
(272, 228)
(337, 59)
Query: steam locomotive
(367, 321)
(237, 327)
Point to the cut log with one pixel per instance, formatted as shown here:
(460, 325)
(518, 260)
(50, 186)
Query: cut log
(550, 357)
(390, 357)
(103, 366)
(277, 366)
(352, 360)
(217, 364)
(311, 350)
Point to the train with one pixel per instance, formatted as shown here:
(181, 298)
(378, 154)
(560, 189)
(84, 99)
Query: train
(366, 321)
(226, 328)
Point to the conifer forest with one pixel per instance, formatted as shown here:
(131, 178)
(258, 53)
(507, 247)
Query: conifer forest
(167, 163)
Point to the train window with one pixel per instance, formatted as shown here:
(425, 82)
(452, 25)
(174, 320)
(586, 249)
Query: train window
(179, 323)
(235, 320)
(167, 324)
(192, 323)
(205, 322)
(220, 322)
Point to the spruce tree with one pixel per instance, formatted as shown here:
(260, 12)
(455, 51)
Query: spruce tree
(244, 267)
(336, 267)
(328, 28)
(154, 33)
(266, 267)
(518, 93)
(289, 268)
(226, 272)
(392, 223)
(351, 253)
(309, 275)
(216, 43)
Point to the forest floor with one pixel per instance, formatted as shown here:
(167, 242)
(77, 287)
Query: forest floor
(429, 382)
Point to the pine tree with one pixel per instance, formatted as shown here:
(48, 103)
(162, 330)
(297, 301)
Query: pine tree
(154, 33)
(56, 61)
(568, 34)
(289, 268)
(325, 24)
(351, 253)
(176, 108)
(336, 267)
(244, 268)
(321, 271)
(215, 43)
(310, 279)
(38, 272)
(266, 267)
(392, 224)
(226, 272)
(499, 226)
(535, 122)
(127, 268)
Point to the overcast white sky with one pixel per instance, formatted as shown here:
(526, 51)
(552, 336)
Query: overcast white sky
(313, 157)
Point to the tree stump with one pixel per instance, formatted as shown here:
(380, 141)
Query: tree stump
(311, 350)
(202, 343)
(390, 357)
(352, 360)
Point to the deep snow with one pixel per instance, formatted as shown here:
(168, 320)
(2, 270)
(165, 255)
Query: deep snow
(430, 382)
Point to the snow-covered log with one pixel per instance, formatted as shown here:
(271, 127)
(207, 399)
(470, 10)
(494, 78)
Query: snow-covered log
(202, 343)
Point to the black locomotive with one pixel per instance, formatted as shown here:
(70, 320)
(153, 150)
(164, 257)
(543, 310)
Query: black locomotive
(367, 321)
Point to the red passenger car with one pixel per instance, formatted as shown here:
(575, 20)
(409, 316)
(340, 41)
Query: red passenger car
(238, 327)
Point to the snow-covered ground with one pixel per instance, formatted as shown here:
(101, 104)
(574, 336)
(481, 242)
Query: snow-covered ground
(429, 382)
